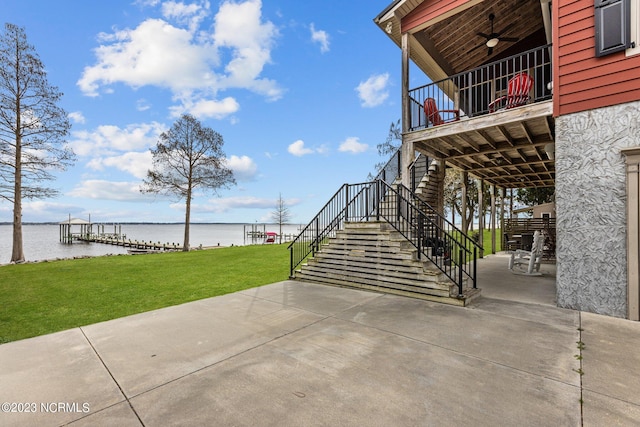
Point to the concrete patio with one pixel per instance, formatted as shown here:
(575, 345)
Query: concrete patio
(306, 354)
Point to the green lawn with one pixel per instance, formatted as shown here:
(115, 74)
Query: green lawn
(41, 298)
(487, 240)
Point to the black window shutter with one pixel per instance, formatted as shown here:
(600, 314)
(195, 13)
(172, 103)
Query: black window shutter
(613, 26)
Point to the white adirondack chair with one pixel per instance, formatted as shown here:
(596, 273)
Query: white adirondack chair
(529, 259)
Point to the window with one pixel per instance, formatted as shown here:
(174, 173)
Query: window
(613, 19)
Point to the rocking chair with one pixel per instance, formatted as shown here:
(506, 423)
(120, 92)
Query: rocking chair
(530, 259)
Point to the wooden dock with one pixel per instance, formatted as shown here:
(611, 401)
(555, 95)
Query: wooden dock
(257, 233)
(135, 246)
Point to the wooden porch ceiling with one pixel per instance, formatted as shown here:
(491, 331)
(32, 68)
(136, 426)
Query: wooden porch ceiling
(443, 47)
(506, 149)
(455, 41)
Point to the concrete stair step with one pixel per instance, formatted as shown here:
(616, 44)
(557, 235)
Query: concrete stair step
(372, 279)
(406, 275)
(469, 295)
(363, 255)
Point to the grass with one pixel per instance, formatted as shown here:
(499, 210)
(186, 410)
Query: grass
(47, 297)
(487, 240)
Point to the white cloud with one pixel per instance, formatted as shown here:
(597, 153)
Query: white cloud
(77, 117)
(245, 202)
(353, 145)
(155, 53)
(47, 211)
(243, 167)
(182, 53)
(142, 105)
(239, 27)
(108, 139)
(373, 91)
(321, 37)
(134, 163)
(298, 149)
(187, 14)
(108, 190)
(203, 108)
(147, 2)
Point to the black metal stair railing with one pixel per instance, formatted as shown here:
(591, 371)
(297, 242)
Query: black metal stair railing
(352, 202)
(332, 215)
(435, 238)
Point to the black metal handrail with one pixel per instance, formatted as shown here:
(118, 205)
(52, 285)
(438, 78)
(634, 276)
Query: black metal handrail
(345, 205)
(470, 92)
(452, 251)
(435, 237)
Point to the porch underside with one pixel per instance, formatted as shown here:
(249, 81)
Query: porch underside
(508, 149)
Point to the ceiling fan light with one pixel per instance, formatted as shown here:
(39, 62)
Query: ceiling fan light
(492, 42)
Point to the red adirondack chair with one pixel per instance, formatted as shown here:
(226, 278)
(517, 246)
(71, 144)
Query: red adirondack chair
(433, 114)
(517, 93)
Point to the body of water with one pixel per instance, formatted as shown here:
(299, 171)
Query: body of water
(42, 241)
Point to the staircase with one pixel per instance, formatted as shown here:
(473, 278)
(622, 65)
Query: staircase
(383, 236)
(373, 255)
(428, 185)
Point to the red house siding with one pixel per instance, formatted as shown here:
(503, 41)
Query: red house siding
(582, 81)
(427, 11)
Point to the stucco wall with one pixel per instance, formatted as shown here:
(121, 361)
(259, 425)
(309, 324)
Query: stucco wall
(590, 207)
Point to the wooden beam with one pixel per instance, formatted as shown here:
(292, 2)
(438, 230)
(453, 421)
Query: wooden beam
(485, 136)
(507, 136)
(502, 148)
(536, 111)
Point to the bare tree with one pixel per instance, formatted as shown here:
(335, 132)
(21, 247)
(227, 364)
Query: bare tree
(281, 214)
(187, 157)
(388, 147)
(32, 128)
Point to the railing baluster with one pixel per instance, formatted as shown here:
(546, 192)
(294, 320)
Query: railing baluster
(475, 260)
(460, 294)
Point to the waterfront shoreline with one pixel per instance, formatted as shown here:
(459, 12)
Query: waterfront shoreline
(42, 241)
(39, 261)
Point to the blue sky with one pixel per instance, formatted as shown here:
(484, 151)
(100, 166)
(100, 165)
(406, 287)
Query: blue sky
(302, 92)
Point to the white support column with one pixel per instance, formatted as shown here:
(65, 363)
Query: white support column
(463, 201)
(493, 219)
(407, 155)
(481, 216)
(503, 196)
(632, 157)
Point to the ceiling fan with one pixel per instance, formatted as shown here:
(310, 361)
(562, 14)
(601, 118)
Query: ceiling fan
(493, 38)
